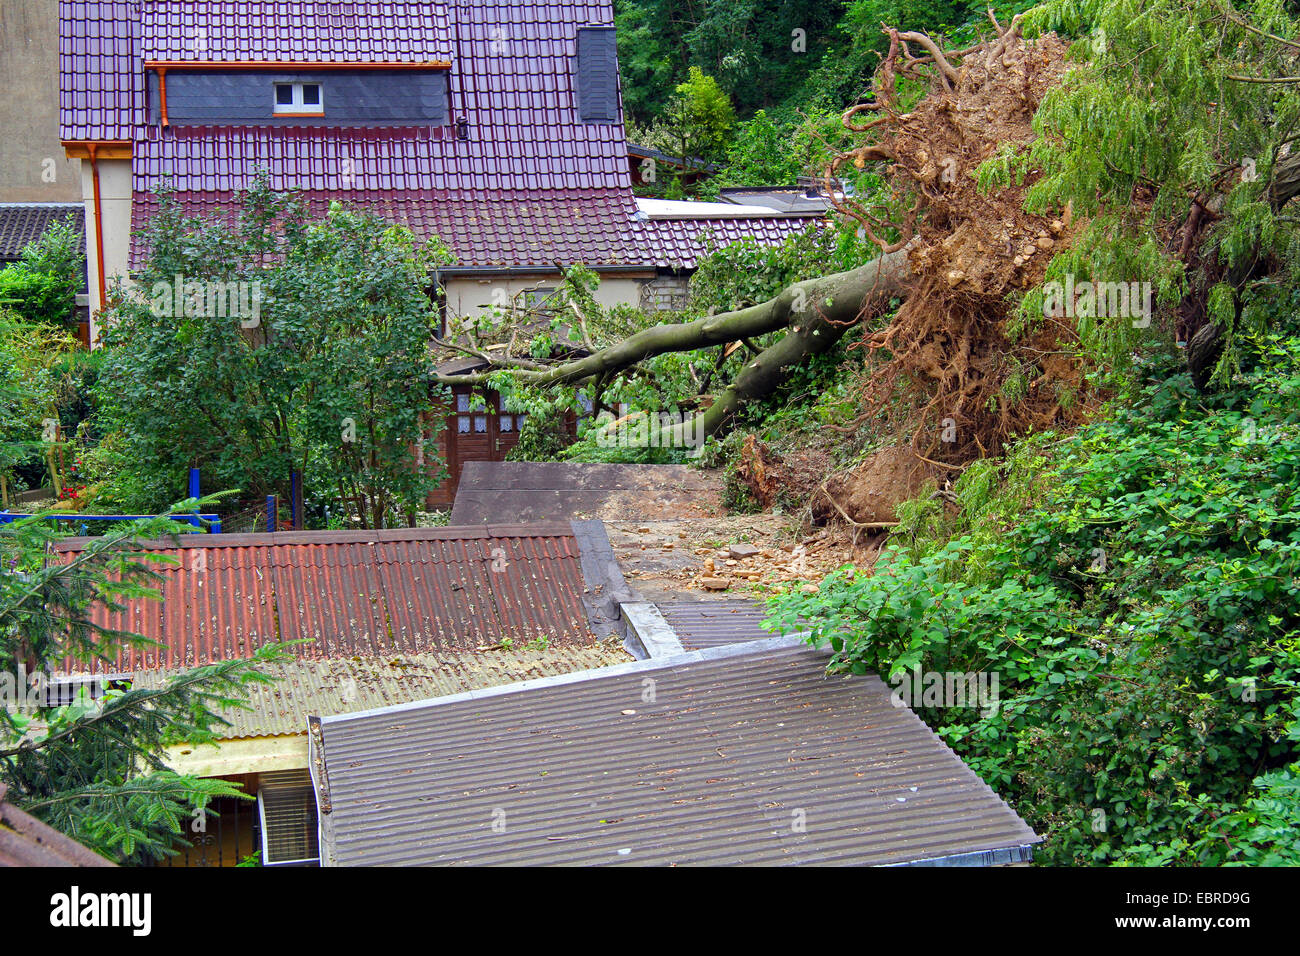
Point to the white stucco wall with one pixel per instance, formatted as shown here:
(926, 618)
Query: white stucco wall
(467, 294)
(115, 201)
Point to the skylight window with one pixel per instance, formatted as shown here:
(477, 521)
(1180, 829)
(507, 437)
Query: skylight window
(299, 99)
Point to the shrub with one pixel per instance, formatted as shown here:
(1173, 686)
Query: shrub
(42, 287)
(1135, 587)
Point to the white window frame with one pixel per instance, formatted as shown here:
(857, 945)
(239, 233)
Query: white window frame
(96, 686)
(297, 107)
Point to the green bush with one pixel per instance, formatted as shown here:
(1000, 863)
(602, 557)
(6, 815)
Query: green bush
(36, 296)
(1135, 588)
(42, 287)
(294, 342)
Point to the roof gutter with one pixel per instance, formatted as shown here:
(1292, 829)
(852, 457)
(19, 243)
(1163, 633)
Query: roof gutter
(162, 94)
(107, 148)
(289, 65)
(1002, 856)
(321, 791)
(464, 271)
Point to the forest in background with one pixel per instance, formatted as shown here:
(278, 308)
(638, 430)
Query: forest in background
(757, 87)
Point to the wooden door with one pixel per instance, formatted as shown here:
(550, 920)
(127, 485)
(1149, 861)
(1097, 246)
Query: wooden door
(470, 432)
(474, 434)
(505, 429)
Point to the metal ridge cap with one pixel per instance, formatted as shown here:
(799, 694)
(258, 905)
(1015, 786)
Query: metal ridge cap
(749, 648)
(992, 856)
(649, 632)
(550, 529)
(604, 587)
(323, 65)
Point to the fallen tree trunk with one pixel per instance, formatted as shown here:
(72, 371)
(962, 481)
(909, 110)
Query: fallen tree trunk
(823, 325)
(817, 312)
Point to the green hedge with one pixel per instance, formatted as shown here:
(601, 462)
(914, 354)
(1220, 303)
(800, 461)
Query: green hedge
(1135, 587)
(37, 296)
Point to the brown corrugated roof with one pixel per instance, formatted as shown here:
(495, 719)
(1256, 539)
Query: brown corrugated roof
(363, 593)
(747, 754)
(26, 841)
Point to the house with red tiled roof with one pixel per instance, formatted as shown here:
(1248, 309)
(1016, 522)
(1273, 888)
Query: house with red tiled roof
(495, 125)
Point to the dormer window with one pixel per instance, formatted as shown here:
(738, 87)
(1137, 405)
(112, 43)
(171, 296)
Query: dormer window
(298, 99)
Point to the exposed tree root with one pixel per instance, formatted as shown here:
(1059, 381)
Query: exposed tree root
(950, 373)
(953, 372)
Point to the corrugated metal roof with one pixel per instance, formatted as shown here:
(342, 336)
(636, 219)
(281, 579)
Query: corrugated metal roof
(747, 754)
(26, 841)
(350, 684)
(700, 624)
(361, 593)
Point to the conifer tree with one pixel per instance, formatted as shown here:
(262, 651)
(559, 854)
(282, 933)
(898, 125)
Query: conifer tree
(94, 769)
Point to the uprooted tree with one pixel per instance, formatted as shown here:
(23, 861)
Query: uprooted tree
(1156, 149)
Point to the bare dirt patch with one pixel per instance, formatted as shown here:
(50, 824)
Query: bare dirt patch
(731, 556)
(871, 493)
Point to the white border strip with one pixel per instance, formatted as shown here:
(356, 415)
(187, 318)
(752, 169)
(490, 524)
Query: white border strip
(655, 635)
(613, 670)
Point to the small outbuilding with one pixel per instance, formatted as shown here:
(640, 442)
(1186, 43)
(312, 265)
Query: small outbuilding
(737, 754)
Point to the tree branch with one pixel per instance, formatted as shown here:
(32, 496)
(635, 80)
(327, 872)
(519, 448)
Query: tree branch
(837, 298)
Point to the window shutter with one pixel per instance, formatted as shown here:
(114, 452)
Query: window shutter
(287, 804)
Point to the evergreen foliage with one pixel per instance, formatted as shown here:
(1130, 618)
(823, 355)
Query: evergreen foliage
(94, 768)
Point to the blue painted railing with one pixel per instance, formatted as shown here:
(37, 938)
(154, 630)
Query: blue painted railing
(197, 520)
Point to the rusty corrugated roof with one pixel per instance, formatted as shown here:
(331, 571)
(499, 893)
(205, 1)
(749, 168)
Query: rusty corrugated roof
(365, 593)
(746, 754)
